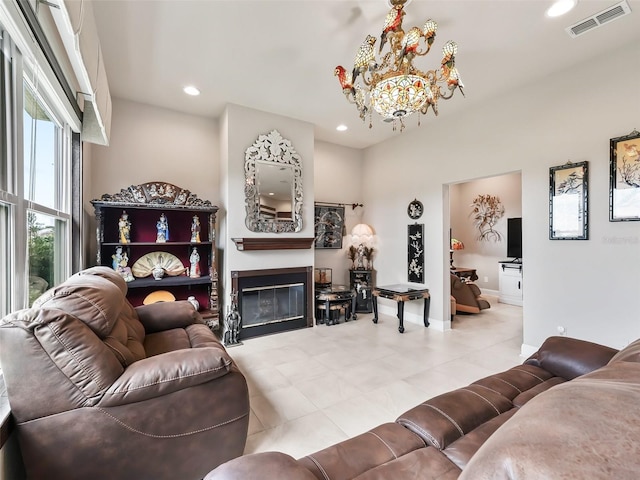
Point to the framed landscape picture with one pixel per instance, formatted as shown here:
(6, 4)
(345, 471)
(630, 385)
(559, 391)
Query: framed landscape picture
(568, 202)
(624, 178)
(329, 223)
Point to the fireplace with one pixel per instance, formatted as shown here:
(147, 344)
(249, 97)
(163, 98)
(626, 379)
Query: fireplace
(273, 300)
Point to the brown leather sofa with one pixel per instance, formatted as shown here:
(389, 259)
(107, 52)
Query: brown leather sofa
(101, 390)
(570, 411)
(467, 295)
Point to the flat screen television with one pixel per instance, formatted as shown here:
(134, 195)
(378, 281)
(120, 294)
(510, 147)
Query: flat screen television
(514, 238)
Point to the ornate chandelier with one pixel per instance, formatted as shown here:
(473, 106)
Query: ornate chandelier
(392, 85)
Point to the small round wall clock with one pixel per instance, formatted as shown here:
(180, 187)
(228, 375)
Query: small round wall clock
(415, 209)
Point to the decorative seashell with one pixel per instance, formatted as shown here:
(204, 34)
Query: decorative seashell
(144, 266)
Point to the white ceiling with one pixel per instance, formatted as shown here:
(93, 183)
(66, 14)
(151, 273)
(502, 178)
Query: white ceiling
(279, 56)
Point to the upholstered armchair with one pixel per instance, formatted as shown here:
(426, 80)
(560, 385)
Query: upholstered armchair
(467, 296)
(102, 390)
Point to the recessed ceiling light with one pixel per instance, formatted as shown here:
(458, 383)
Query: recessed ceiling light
(191, 90)
(341, 128)
(560, 7)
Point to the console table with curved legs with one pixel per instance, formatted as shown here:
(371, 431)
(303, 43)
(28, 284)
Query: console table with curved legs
(401, 293)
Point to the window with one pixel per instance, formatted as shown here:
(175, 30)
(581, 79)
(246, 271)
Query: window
(5, 267)
(42, 141)
(35, 193)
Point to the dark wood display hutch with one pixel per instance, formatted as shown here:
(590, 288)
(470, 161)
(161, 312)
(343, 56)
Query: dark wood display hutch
(144, 204)
(361, 281)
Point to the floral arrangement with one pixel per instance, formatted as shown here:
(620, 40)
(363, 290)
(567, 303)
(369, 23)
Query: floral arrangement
(352, 253)
(358, 255)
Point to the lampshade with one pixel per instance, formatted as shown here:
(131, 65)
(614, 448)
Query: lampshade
(456, 244)
(362, 234)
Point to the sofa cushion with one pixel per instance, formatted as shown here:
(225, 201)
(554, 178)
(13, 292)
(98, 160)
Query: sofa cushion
(422, 464)
(167, 373)
(569, 357)
(167, 341)
(447, 417)
(97, 297)
(630, 353)
(61, 353)
(586, 428)
(348, 459)
(461, 451)
(261, 466)
(95, 301)
(515, 381)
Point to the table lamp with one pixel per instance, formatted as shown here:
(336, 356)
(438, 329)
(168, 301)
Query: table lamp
(455, 245)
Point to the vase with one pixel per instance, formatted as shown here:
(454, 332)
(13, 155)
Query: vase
(157, 272)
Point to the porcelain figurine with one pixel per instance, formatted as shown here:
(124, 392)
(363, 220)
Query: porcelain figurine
(194, 262)
(195, 230)
(124, 228)
(120, 261)
(163, 229)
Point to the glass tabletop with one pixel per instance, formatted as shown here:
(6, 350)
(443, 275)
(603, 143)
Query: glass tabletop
(401, 288)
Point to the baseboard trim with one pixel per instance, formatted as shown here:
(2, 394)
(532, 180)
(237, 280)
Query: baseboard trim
(486, 291)
(412, 318)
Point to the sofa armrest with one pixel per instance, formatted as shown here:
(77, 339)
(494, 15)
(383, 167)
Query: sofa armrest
(259, 466)
(166, 373)
(167, 315)
(569, 357)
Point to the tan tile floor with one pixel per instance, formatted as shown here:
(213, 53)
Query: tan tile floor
(314, 387)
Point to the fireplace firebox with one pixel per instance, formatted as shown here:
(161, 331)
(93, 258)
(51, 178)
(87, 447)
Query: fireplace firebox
(273, 300)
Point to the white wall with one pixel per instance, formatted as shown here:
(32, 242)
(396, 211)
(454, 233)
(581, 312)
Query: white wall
(338, 179)
(200, 154)
(241, 126)
(483, 255)
(155, 144)
(590, 287)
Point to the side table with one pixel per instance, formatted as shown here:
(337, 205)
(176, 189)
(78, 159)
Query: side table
(335, 297)
(402, 293)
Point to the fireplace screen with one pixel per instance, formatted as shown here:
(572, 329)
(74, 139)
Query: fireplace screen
(278, 303)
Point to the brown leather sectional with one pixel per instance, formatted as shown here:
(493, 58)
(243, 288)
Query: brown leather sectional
(100, 390)
(570, 411)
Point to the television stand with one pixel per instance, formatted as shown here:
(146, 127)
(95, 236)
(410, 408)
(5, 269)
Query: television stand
(510, 282)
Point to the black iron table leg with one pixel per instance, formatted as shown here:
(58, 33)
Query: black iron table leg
(329, 320)
(427, 303)
(375, 309)
(401, 316)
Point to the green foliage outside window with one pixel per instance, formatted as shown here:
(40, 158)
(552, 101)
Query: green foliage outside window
(41, 245)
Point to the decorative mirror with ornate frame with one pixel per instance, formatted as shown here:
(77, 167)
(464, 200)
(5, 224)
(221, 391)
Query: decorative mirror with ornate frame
(273, 185)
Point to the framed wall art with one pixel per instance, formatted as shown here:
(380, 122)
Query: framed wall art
(415, 209)
(329, 226)
(415, 252)
(624, 178)
(568, 202)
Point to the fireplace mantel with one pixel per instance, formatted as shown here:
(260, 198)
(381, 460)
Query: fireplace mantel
(273, 243)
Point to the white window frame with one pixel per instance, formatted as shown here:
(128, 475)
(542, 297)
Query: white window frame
(15, 290)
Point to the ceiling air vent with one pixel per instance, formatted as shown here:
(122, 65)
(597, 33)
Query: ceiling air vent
(594, 21)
